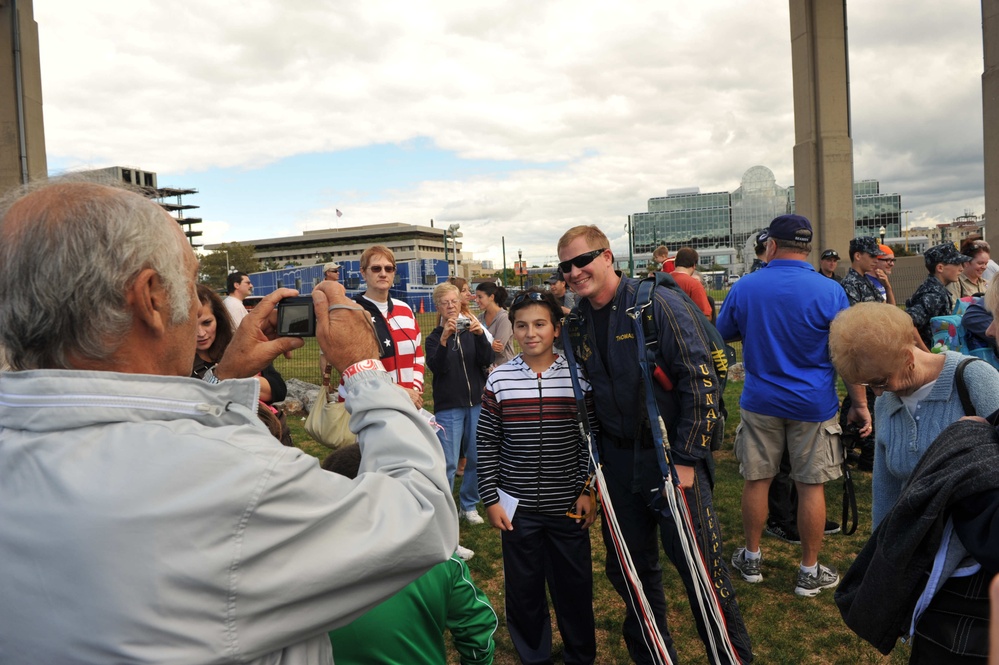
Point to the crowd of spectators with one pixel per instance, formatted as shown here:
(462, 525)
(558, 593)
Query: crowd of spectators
(182, 532)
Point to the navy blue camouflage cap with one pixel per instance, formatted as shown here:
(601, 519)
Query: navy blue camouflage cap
(791, 227)
(943, 253)
(865, 244)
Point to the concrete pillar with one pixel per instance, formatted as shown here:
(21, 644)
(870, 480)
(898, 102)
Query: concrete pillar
(823, 148)
(22, 131)
(990, 117)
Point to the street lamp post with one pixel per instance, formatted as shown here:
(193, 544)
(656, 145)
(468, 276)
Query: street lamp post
(631, 248)
(906, 213)
(454, 245)
(882, 231)
(520, 267)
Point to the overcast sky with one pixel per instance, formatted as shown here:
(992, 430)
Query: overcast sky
(513, 118)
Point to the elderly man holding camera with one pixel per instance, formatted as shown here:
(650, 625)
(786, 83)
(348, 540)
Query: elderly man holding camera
(150, 517)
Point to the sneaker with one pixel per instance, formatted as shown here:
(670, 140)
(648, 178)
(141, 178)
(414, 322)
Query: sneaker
(811, 585)
(748, 568)
(831, 528)
(787, 533)
(471, 516)
(464, 553)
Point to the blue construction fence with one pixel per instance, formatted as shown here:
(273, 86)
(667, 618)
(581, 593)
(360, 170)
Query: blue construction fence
(414, 280)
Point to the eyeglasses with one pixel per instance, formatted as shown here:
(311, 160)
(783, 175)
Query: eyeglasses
(876, 384)
(524, 296)
(890, 262)
(378, 269)
(448, 303)
(580, 261)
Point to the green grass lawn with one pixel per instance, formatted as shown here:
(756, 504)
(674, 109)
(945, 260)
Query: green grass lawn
(784, 628)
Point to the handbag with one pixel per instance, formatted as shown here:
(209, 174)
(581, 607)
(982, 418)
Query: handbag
(329, 422)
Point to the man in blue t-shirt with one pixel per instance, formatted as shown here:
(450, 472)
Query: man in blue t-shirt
(782, 315)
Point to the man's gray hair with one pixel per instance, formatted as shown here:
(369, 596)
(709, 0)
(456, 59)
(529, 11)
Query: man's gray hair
(793, 246)
(66, 261)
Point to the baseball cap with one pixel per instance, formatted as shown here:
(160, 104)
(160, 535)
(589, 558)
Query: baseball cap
(555, 277)
(791, 227)
(887, 251)
(865, 244)
(332, 265)
(830, 254)
(761, 241)
(943, 253)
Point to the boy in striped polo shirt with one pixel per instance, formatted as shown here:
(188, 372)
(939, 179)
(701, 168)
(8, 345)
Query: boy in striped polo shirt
(529, 446)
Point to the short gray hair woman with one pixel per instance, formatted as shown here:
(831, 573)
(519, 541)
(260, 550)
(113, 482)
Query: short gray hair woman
(872, 344)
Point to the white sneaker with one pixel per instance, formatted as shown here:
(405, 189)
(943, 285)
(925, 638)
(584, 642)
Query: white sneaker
(464, 553)
(471, 516)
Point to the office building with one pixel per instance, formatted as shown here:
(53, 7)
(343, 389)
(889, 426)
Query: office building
(425, 256)
(721, 225)
(170, 199)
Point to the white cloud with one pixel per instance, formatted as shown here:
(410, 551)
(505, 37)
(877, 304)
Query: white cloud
(634, 99)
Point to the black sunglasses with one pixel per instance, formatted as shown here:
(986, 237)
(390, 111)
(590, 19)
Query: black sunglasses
(580, 261)
(378, 269)
(536, 296)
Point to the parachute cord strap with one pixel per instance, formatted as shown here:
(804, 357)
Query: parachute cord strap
(577, 391)
(654, 641)
(647, 362)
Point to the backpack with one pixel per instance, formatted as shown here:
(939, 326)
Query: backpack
(949, 334)
(722, 354)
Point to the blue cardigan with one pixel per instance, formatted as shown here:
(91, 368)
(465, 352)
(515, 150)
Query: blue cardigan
(901, 439)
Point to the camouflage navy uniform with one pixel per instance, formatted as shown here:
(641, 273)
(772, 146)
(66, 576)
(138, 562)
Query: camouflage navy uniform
(859, 289)
(931, 299)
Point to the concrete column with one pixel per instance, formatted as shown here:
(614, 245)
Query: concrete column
(21, 126)
(823, 149)
(990, 117)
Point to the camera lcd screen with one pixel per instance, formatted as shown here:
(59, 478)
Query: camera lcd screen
(296, 320)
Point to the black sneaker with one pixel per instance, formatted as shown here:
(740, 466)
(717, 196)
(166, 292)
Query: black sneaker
(785, 532)
(831, 528)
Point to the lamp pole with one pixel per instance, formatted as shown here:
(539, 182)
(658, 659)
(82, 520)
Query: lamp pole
(503, 239)
(631, 247)
(882, 231)
(906, 213)
(454, 245)
(520, 267)
(447, 263)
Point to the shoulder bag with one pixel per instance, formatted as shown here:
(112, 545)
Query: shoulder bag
(329, 422)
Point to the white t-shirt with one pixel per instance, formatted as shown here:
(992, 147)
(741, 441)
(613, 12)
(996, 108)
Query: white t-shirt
(990, 270)
(236, 309)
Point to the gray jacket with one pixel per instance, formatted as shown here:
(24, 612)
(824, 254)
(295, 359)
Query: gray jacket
(154, 519)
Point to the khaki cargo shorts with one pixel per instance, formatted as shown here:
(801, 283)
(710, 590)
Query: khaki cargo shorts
(814, 448)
